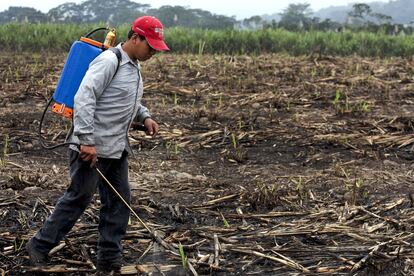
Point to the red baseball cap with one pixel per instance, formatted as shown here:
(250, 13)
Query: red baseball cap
(151, 28)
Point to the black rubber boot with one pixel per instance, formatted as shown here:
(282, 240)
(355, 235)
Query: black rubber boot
(109, 269)
(36, 258)
(110, 272)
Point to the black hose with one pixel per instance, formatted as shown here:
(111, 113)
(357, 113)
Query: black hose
(40, 131)
(93, 31)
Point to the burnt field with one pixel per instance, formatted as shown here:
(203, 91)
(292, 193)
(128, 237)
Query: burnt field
(267, 165)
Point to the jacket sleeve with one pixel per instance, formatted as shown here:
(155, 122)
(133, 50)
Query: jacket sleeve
(142, 111)
(96, 79)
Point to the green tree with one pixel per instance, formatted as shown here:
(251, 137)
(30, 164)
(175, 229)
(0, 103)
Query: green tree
(359, 15)
(22, 14)
(360, 10)
(191, 18)
(327, 25)
(362, 15)
(296, 17)
(382, 18)
(253, 22)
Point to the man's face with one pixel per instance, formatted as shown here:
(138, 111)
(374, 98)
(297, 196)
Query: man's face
(143, 50)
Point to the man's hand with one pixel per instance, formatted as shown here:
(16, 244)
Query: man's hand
(152, 126)
(138, 126)
(88, 153)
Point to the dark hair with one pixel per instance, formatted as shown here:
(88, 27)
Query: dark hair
(131, 33)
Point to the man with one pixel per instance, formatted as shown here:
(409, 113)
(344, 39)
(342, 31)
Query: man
(106, 103)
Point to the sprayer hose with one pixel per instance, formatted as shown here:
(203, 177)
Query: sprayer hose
(42, 142)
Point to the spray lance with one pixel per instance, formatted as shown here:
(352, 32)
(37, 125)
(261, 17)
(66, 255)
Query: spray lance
(81, 54)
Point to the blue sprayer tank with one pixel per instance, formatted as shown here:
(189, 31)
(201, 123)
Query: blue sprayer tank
(81, 54)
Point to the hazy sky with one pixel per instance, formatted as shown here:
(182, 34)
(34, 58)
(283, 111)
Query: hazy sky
(240, 8)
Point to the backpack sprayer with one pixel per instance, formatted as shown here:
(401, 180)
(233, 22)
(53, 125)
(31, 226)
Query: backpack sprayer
(81, 54)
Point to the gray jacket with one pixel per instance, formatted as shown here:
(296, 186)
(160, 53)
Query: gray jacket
(105, 106)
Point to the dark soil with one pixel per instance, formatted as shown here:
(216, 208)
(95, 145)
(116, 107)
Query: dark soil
(281, 134)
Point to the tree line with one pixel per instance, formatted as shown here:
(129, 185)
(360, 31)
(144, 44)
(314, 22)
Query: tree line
(296, 17)
(299, 17)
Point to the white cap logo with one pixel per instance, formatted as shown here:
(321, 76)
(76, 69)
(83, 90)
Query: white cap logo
(160, 32)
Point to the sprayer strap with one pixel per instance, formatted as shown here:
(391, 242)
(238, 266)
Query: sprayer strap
(118, 55)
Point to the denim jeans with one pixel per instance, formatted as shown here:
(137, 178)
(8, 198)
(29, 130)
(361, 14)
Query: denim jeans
(114, 215)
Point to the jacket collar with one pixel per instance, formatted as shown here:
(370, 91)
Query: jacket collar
(126, 58)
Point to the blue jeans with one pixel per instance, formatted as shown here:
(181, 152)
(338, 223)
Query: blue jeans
(114, 215)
